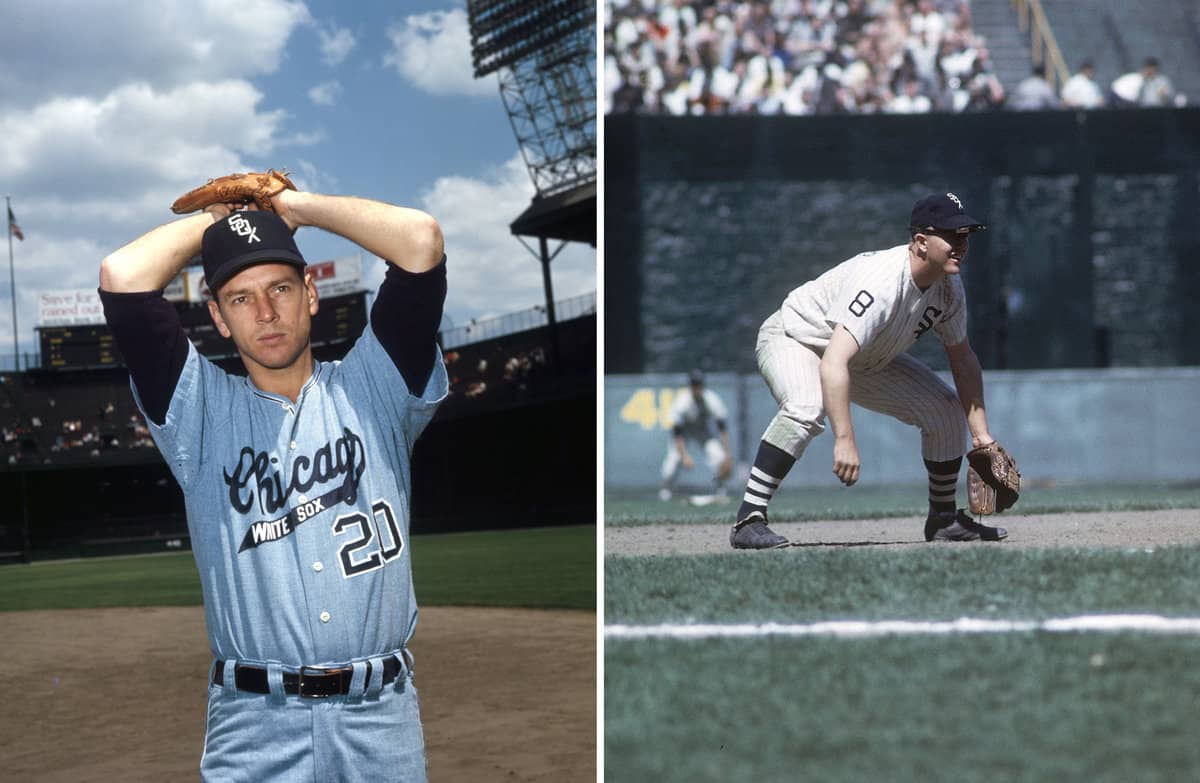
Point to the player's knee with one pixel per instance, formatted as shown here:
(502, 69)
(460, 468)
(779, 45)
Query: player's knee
(944, 420)
(808, 419)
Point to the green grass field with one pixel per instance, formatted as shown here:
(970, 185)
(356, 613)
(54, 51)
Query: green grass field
(1005, 706)
(546, 568)
(837, 502)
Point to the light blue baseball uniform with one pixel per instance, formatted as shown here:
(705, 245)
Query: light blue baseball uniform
(299, 520)
(299, 523)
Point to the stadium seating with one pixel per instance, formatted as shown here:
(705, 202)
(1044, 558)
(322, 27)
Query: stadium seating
(795, 57)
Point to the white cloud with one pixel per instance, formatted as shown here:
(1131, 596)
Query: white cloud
(336, 44)
(433, 51)
(491, 273)
(325, 93)
(132, 137)
(308, 176)
(59, 47)
(89, 174)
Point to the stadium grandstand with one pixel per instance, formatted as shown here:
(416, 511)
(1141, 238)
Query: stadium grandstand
(803, 57)
(69, 419)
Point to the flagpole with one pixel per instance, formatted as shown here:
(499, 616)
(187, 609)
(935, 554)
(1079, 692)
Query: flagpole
(12, 284)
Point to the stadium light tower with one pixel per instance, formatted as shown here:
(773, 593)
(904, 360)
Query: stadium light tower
(544, 54)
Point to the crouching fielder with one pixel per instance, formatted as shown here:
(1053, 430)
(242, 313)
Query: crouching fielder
(697, 416)
(841, 338)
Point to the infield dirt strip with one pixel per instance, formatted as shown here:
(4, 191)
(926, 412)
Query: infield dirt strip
(1095, 529)
(119, 694)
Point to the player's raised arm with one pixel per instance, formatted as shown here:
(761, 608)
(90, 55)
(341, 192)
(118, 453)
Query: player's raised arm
(835, 393)
(405, 237)
(151, 261)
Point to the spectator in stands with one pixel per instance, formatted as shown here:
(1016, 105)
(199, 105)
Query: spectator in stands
(1157, 89)
(1081, 90)
(984, 91)
(1147, 86)
(910, 100)
(1034, 93)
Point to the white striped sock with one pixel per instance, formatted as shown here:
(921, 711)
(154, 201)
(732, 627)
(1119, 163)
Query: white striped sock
(760, 488)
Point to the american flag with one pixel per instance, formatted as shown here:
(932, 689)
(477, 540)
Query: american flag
(13, 228)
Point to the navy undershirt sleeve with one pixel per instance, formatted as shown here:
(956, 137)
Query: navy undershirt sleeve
(406, 316)
(150, 337)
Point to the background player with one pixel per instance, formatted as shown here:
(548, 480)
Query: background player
(698, 416)
(296, 479)
(841, 338)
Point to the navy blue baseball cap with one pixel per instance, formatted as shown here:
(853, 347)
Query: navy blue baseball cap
(944, 212)
(245, 239)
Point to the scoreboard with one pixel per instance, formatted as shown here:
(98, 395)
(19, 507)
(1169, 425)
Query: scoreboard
(340, 319)
(65, 347)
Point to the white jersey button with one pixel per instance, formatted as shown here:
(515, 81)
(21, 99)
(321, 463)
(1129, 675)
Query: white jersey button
(293, 444)
(302, 498)
(318, 566)
(324, 617)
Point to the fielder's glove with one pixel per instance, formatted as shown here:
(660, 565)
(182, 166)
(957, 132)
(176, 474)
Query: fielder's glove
(254, 187)
(993, 481)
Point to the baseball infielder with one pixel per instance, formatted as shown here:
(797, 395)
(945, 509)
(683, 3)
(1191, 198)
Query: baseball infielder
(698, 416)
(841, 338)
(296, 479)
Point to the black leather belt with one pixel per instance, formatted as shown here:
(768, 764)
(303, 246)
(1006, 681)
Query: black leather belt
(309, 683)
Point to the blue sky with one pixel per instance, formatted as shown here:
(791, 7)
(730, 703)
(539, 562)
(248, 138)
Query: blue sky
(109, 109)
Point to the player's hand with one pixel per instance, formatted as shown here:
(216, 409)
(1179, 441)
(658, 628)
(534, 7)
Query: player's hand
(222, 211)
(725, 469)
(687, 461)
(284, 203)
(845, 460)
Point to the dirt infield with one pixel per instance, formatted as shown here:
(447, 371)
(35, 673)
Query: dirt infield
(1100, 529)
(118, 694)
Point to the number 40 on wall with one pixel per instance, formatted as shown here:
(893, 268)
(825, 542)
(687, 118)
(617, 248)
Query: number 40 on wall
(649, 408)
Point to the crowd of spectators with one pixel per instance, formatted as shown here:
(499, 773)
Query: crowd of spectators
(1146, 87)
(496, 371)
(518, 367)
(41, 431)
(796, 57)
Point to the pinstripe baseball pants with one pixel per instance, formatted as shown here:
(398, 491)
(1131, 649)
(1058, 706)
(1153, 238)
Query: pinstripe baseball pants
(904, 389)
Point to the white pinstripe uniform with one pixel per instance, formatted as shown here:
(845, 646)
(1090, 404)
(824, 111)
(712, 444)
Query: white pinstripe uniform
(696, 423)
(874, 297)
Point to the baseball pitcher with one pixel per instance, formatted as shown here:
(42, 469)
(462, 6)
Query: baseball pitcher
(842, 338)
(296, 477)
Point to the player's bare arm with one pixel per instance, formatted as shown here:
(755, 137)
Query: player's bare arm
(405, 237)
(968, 381)
(835, 394)
(726, 464)
(151, 261)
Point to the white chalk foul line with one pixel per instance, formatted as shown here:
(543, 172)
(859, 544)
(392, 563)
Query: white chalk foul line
(1103, 623)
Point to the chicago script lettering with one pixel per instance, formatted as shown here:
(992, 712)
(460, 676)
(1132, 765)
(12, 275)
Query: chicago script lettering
(252, 476)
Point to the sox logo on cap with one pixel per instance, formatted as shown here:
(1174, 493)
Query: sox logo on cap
(240, 226)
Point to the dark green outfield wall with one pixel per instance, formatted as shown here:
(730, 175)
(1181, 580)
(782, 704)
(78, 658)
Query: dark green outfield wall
(1092, 257)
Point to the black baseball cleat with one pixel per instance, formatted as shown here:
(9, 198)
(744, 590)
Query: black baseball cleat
(752, 533)
(957, 526)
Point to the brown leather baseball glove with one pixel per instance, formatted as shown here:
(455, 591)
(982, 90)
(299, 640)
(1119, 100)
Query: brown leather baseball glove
(257, 187)
(993, 481)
